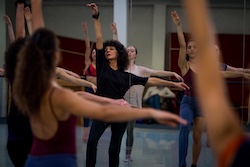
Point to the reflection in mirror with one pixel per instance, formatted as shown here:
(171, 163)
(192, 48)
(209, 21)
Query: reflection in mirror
(247, 56)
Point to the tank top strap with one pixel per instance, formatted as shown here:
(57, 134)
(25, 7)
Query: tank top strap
(50, 102)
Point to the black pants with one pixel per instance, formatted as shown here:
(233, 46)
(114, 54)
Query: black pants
(96, 131)
(18, 151)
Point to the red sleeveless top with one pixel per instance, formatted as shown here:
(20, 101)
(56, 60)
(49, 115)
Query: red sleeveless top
(64, 140)
(189, 80)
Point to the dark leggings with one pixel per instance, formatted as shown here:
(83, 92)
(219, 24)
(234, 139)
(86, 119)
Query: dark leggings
(96, 131)
(18, 151)
(130, 134)
(85, 122)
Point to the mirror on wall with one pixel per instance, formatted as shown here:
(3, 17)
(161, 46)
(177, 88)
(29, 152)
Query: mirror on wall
(247, 56)
(150, 29)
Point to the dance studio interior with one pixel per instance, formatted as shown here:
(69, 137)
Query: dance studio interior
(149, 26)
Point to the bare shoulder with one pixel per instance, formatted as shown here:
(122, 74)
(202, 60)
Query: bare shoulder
(62, 91)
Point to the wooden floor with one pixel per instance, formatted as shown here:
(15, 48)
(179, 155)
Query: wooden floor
(154, 146)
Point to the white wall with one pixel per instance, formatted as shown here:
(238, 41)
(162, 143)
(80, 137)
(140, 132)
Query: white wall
(143, 32)
(66, 21)
(140, 33)
(226, 20)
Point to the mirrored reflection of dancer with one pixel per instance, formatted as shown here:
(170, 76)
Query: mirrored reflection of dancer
(189, 108)
(229, 142)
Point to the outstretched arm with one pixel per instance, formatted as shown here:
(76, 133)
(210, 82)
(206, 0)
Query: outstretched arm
(161, 73)
(245, 70)
(60, 73)
(68, 72)
(222, 124)
(114, 31)
(110, 112)
(182, 62)
(98, 31)
(235, 74)
(152, 81)
(10, 28)
(102, 100)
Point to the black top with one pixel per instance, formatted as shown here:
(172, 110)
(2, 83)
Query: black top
(242, 157)
(114, 83)
(223, 67)
(18, 124)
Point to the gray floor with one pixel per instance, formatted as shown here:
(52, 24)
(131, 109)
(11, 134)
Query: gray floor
(154, 146)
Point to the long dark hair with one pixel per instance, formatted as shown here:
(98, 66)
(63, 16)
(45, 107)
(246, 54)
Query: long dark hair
(90, 56)
(35, 68)
(10, 59)
(122, 60)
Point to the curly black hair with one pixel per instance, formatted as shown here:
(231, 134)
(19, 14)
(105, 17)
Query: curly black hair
(10, 59)
(122, 60)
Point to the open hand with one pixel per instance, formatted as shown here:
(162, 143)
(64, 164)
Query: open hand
(176, 19)
(7, 20)
(93, 7)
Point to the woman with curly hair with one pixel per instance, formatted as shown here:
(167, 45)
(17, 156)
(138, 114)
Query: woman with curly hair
(113, 82)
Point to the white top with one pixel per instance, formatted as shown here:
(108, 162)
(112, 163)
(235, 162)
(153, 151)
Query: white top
(160, 90)
(134, 95)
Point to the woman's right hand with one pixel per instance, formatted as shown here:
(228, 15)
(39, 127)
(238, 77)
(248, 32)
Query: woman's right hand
(94, 8)
(175, 17)
(27, 14)
(113, 28)
(7, 20)
(94, 88)
(167, 118)
(120, 102)
(181, 85)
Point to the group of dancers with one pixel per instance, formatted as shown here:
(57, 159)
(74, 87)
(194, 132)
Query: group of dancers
(42, 115)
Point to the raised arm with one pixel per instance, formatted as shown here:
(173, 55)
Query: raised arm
(98, 30)
(20, 28)
(10, 28)
(222, 124)
(37, 15)
(114, 31)
(87, 45)
(28, 18)
(182, 62)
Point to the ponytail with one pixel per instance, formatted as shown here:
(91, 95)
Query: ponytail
(35, 68)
